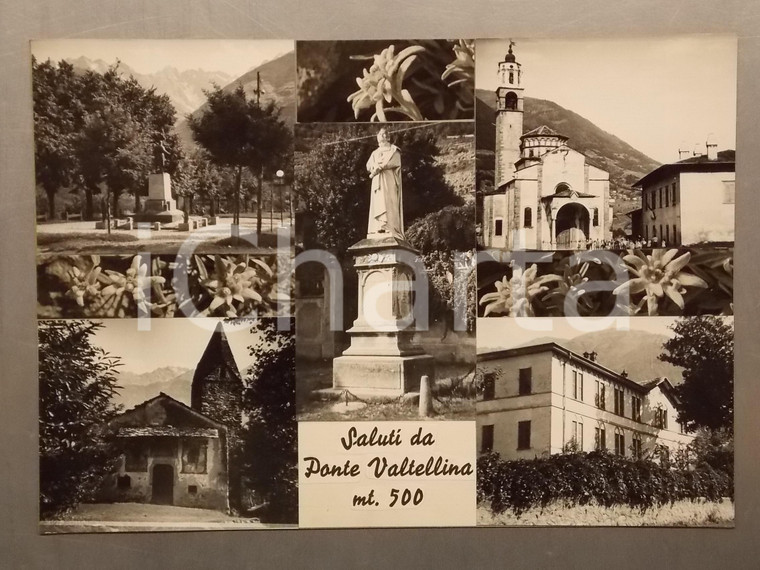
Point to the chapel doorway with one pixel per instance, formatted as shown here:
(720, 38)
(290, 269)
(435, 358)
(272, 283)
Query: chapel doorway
(163, 485)
(571, 227)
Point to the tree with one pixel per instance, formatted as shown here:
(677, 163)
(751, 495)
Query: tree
(271, 432)
(77, 382)
(240, 133)
(333, 183)
(704, 348)
(56, 118)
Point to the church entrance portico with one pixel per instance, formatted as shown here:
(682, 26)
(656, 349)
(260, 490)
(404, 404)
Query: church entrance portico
(571, 226)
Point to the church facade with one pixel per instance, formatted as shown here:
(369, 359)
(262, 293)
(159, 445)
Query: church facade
(546, 195)
(174, 454)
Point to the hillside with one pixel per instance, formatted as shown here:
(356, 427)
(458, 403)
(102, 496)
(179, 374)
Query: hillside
(633, 351)
(604, 150)
(136, 388)
(184, 88)
(278, 84)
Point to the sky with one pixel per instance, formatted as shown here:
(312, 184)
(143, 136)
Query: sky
(233, 57)
(506, 332)
(170, 342)
(656, 94)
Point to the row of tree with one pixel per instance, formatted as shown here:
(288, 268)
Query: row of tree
(103, 134)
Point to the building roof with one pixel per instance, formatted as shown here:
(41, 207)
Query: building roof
(543, 131)
(693, 164)
(559, 350)
(159, 431)
(163, 411)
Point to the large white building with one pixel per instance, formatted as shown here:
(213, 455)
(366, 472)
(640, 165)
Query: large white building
(538, 399)
(688, 202)
(546, 195)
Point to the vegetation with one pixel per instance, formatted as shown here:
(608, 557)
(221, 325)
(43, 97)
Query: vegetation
(96, 132)
(704, 348)
(77, 382)
(270, 433)
(598, 477)
(241, 133)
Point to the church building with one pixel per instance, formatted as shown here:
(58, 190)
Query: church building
(174, 454)
(546, 195)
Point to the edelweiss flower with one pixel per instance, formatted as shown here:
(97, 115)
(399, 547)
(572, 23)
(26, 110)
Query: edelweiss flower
(514, 296)
(464, 64)
(383, 83)
(84, 284)
(134, 282)
(234, 282)
(659, 275)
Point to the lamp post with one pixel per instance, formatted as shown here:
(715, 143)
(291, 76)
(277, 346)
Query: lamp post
(280, 179)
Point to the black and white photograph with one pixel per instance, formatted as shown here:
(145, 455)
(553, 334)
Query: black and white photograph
(385, 80)
(185, 424)
(606, 144)
(581, 422)
(149, 145)
(163, 286)
(385, 279)
(680, 281)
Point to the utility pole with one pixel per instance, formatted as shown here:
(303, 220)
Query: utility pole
(261, 168)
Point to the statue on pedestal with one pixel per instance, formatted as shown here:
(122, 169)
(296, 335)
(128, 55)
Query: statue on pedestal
(386, 208)
(160, 154)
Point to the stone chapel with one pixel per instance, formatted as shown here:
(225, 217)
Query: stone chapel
(174, 454)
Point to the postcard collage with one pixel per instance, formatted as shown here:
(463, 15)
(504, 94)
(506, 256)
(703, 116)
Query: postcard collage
(380, 283)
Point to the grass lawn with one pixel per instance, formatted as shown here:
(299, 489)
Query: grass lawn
(346, 407)
(679, 514)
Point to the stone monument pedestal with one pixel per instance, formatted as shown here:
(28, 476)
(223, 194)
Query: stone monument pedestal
(383, 360)
(160, 207)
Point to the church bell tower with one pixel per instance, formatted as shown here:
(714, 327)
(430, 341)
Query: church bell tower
(509, 117)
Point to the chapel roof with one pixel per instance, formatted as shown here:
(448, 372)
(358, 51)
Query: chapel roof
(544, 131)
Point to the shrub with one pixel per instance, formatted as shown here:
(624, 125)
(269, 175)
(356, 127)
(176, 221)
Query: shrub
(598, 476)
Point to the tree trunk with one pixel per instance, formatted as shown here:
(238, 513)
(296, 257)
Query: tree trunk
(258, 203)
(89, 208)
(138, 204)
(51, 202)
(238, 180)
(212, 207)
(115, 207)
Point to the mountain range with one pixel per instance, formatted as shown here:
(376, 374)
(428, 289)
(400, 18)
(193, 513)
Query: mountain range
(171, 380)
(604, 150)
(633, 351)
(184, 88)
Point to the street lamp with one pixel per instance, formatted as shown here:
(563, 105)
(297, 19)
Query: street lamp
(280, 179)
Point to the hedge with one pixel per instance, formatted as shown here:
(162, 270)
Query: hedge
(598, 476)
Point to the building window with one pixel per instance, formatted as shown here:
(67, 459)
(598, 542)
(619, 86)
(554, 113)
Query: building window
(526, 381)
(619, 396)
(660, 193)
(673, 192)
(729, 192)
(667, 197)
(675, 234)
(596, 217)
(619, 442)
(636, 408)
(577, 435)
(600, 438)
(661, 234)
(192, 489)
(636, 444)
(577, 385)
(123, 482)
(498, 227)
(600, 397)
(510, 101)
(489, 386)
(193, 456)
(486, 439)
(661, 418)
(528, 218)
(667, 234)
(523, 435)
(136, 458)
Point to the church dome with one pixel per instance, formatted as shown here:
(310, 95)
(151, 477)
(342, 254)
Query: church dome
(510, 57)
